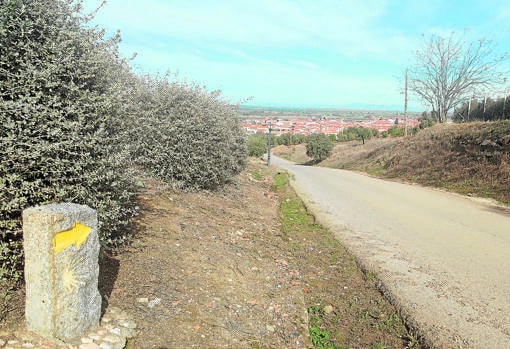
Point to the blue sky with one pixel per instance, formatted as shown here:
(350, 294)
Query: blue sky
(313, 53)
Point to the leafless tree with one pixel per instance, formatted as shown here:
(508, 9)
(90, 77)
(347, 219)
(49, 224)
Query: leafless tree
(447, 71)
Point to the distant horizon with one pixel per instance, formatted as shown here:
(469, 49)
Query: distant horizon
(318, 107)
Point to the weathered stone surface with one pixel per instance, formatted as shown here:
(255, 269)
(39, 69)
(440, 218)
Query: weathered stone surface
(61, 270)
(89, 346)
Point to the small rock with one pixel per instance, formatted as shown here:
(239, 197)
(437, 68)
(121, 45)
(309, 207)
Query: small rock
(270, 328)
(12, 342)
(89, 346)
(106, 319)
(2, 342)
(328, 309)
(154, 302)
(142, 300)
(127, 324)
(112, 342)
(95, 336)
(116, 331)
(127, 332)
(27, 345)
(114, 310)
(123, 315)
(86, 340)
(117, 341)
(25, 337)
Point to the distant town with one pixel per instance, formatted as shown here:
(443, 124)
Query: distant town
(330, 122)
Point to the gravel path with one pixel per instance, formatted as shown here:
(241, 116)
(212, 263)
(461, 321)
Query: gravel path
(443, 258)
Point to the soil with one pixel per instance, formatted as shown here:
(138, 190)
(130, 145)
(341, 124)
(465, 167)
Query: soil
(214, 270)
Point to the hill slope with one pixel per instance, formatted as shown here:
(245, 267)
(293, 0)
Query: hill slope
(470, 159)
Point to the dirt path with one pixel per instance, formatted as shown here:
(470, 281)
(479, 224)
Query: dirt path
(443, 257)
(209, 271)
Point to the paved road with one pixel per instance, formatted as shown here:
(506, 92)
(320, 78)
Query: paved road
(443, 258)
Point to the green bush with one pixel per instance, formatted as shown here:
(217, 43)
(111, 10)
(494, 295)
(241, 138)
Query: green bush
(356, 132)
(58, 103)
(257, 145)
(185, 135)
(425, 122)
(319, 147)
(285, 139)
(291, 139)
(396, 131)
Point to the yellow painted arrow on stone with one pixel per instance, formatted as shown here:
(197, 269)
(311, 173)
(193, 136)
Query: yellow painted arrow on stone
(77, 235)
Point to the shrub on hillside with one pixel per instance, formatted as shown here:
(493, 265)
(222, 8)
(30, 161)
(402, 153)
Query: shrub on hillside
(396, 131)
(59, 101)
(356, 132)
(185, 135)
(291, 139)
(319, 147)
(257, 145)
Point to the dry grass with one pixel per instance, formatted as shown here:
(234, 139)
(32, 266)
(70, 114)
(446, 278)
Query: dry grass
(296, 153)
(470, 159)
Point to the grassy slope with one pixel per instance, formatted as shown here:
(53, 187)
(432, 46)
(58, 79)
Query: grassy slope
(471, 159)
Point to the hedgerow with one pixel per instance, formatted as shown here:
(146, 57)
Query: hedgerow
(75, 121)
(185, 135)
(58, 101)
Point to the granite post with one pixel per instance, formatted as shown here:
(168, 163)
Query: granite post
(61, 270)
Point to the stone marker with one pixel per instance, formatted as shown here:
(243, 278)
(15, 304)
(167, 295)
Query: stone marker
(61, 270)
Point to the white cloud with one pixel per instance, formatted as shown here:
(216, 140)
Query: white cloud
(341, 51)
(281, 83)
(342, 26)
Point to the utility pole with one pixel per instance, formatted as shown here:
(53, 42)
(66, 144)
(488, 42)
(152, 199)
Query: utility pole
(469, 107)
(269, 145)
(504, 103)
(503, 112)
(484, 103)
(405, 108)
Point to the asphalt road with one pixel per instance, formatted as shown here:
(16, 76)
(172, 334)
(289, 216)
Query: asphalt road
(443, 258)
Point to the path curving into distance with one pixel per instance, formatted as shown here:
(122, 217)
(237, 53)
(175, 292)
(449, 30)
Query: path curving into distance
(443, 258)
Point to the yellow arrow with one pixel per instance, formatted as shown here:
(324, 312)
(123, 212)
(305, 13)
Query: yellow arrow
(77, 235)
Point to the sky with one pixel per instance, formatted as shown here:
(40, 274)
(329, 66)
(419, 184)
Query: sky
(295, 53)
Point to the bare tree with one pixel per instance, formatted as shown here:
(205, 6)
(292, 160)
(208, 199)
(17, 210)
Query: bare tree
(447, 71)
